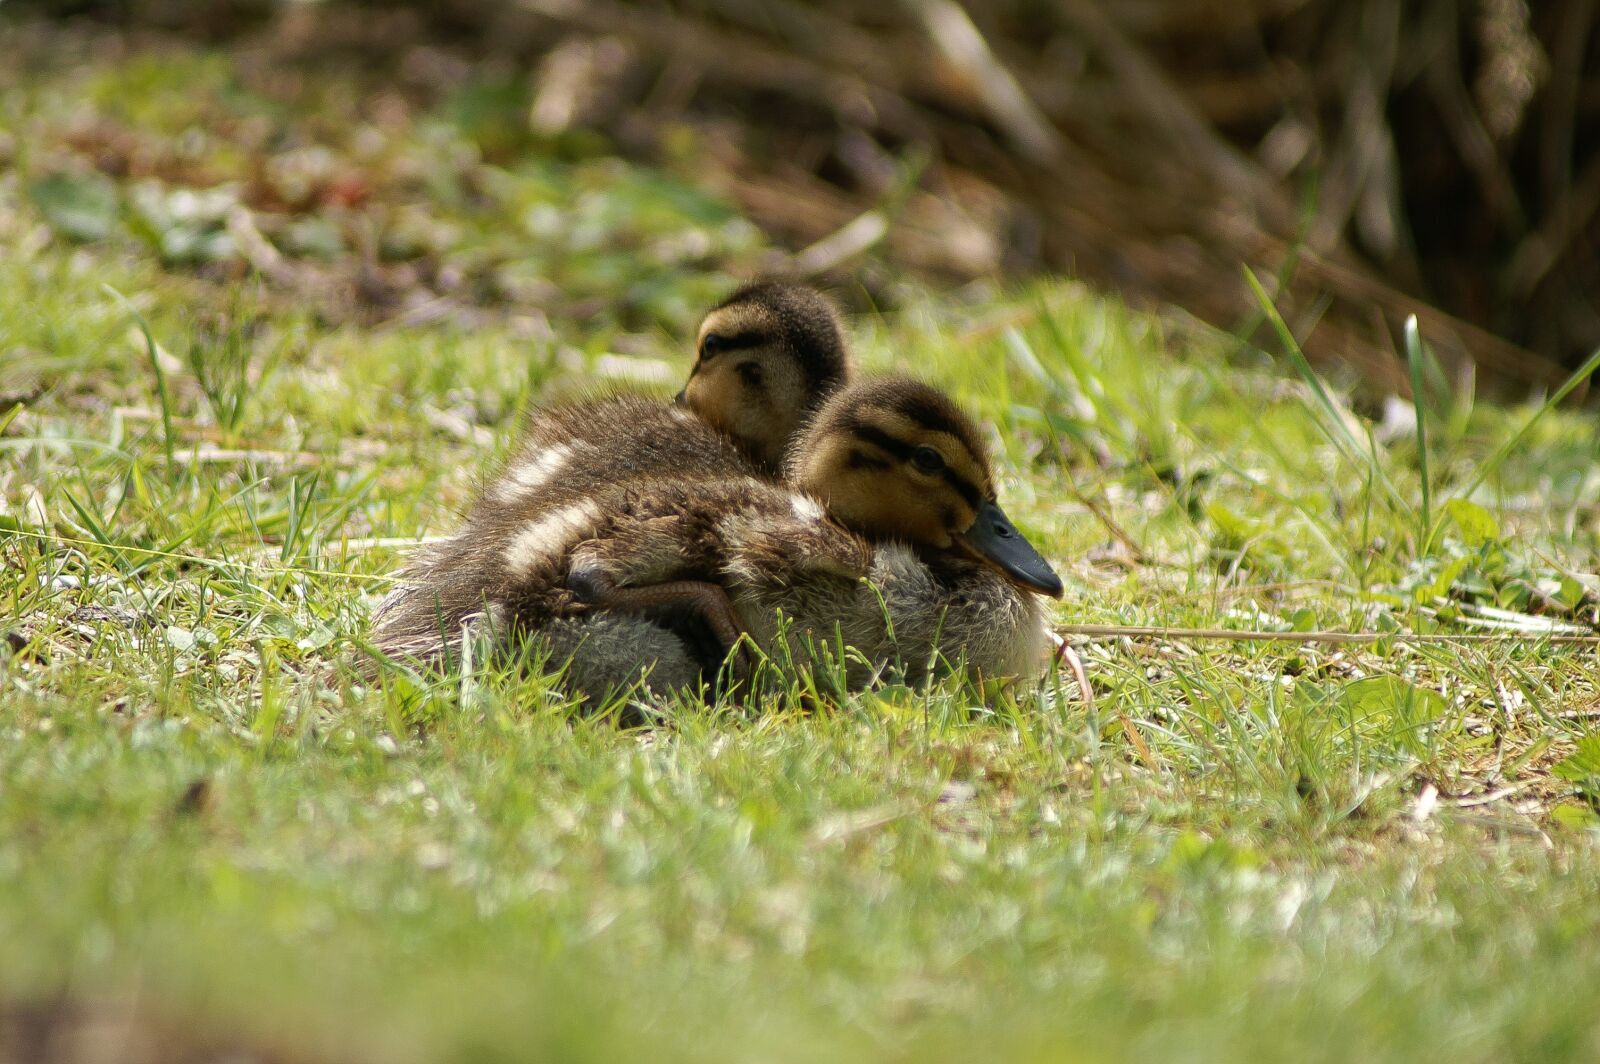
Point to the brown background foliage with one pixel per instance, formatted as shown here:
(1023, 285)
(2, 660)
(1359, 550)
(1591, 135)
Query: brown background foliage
(1369, 159)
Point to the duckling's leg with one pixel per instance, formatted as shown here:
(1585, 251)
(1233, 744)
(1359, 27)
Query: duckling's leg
(707, 600)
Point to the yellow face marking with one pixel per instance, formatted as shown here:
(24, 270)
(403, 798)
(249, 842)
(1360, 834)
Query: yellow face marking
(736, 320)
(956, 456)
(882, 496)
(895, 460)
(755, 394)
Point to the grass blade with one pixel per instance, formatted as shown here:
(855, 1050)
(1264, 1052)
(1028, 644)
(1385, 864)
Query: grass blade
(1485, 471)
(1332, 423)
(1414, 357)
(155, 366)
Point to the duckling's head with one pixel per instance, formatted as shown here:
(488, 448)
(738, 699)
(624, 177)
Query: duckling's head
(765, 359)
(895, 459)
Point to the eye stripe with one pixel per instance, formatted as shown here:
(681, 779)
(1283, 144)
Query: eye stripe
(902, 450)
(882, 440)
(935, 416)
(739, 341)
(862, 460)
(808, 326)
(963, 487)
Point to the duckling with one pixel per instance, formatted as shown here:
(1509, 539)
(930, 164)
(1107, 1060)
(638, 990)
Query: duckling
(890, 482)
(766, 357)
(952, 578)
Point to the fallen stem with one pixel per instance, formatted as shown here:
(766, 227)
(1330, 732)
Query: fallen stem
(1137, 631)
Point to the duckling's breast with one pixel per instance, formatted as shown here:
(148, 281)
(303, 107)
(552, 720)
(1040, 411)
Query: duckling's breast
(908, 620)
(982, 618)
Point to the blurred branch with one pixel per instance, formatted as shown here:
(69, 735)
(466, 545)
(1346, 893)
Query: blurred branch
(1561, 97)
(1477, 148)
(964, 48)
(1167, 109)
(730, 56)
(1571, 216)
(863, 231)
(1358, 181)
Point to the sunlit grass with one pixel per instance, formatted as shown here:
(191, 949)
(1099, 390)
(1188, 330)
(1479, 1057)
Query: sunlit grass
(1240, 851)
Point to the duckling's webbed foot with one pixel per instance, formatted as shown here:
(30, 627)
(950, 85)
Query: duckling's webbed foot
(707, 601)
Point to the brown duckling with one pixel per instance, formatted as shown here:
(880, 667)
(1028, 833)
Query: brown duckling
(766, 357)
(891, 482)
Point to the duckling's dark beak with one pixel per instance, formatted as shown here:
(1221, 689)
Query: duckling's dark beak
(994, 539)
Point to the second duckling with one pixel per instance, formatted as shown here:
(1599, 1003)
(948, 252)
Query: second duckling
(766, 357)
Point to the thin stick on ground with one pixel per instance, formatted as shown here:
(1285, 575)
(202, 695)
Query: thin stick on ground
(1140, 631)
(1065, 655)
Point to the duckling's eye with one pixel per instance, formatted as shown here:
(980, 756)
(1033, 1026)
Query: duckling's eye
(927, 459)
(710, 345)
(750, 373)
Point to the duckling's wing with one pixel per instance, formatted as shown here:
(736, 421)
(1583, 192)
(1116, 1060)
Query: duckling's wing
(791, 547)
(637, 551)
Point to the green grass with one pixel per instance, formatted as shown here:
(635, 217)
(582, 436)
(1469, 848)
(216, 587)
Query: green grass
(1385, 852)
